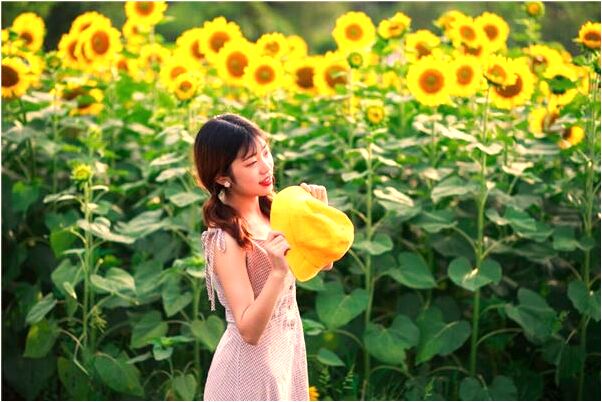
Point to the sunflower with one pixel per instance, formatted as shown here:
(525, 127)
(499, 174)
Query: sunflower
(173, 67)
(83, 21)
(572, 136)
(126, 65)
(354, 30)
(419, 44)
(445, 21)
(430, 81)
(518, 93)
(297, 47)
(535, 9)
(395, 26)
(589, 35)
(31, 29)
(66, 52)
(153, 55)
(302, 72)
(34, 64)
(88, 102)
(542, 56)
(313, 393)
(145, 13)
(374, 112)
(272, 44)
(232, 60)
(98, 43)
(185, 85)
(465, 31)
(215, 35)
(468, 76)
(496, 30)
(15, 79)
(133, 35)
(331, 71)
(498, 71)
(189, 42)
(560, 84)
(540, 119)
(264, 74)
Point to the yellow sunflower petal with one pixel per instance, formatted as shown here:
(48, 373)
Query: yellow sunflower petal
(232, 60)
(215, 35)
(518, 93)
(272, 44)
(496, 30)
(589, 35)
(264, 74)
(145, 13)
(354, 30)
(430, 81)
(331, 71)
(420, 44)
(31, 29)
(15, 80)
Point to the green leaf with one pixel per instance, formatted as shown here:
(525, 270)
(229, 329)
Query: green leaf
(450, 187)
(412, 272)
(23, 195)
(73, 379)
(184, 386)
(526, 226)
(587, 303)
(389, 344)
(311, 327)
(435, 221)
(503, 389)
(116, 281)
(171, 173)
(40, 309)
(462, 274)
(471, 390)
(160, 352)
(148, 328)
(564, 239)
(208, 331)
(61, 240)
(380, 243)
(570, 362)
(392, 194)
(185, 198)
(118, 375)
(66, 273)
(41, 338)
(438, 337)
(335, 308)
(142, 225)
(99, 229)
(329, 358)
(173, 298)
(533, 314)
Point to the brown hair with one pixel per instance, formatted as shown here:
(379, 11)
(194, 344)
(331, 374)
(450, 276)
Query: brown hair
(217, 144)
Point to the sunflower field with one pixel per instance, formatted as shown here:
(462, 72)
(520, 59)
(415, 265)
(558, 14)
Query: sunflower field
(466, 154)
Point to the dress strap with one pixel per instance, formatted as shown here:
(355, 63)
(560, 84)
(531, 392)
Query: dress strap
(210, 237)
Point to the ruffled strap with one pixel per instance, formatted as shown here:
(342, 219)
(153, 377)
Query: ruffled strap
(209, 238)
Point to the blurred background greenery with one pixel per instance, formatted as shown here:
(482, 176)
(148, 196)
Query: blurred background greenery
(314, 21)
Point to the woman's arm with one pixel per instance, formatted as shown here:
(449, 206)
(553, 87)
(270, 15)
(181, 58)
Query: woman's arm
(251, 315)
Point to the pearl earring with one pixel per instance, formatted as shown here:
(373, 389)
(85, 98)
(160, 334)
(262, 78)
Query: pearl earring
(227, 184)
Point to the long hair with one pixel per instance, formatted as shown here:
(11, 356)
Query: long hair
(219, 141)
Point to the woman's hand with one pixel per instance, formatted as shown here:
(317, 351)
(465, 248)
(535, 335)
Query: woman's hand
(316, 191)
(276, 247)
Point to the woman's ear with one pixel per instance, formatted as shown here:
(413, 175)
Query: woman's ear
(224, 181)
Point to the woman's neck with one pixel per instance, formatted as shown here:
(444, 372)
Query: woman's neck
(247, 207)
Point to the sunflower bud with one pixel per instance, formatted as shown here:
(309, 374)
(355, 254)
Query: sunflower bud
(355, 59)
(82, 172)
(535, 9)
(375, 114)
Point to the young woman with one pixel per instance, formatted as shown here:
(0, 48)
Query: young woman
(261, 355)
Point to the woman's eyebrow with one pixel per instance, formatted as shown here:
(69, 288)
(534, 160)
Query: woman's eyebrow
(250, 156)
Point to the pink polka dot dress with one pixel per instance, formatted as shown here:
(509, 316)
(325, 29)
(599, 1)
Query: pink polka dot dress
(275, 368)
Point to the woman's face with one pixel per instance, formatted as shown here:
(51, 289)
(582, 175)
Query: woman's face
(253, 172)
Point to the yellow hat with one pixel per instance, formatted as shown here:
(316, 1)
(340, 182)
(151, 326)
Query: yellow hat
(318, 234)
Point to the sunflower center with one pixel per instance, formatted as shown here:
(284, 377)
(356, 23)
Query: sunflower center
(476, 51)
(333, 76)
(491, 31)
(70, 94)
(196, 50)
(395, 28)
(305, 77)
(100, 42)
(28, 37)
(154, 58)
(510, 91)
(464, 75)
(422, 49)
(264, 75)
(122, 65)
(498, 72)
(177, 71)
(589, 36)
(10, 76)
(354, 32)
(144, 7)
(431, 81)
(533, 8)
(185, 86)
(467, 33)
(236, 64)
(217, 40)
(84, 26)
(272, 48)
